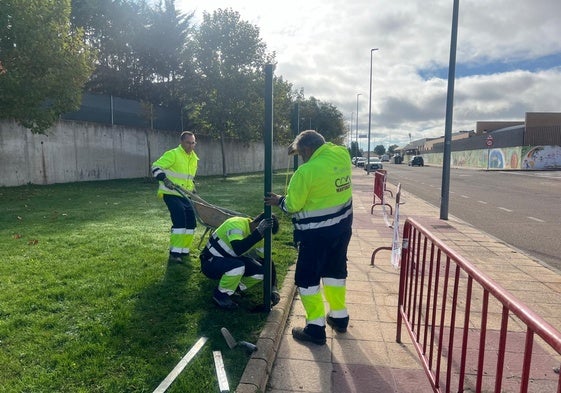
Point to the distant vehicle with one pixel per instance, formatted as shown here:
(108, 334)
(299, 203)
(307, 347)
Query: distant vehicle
(373, 165)
(360, 161)
(416, 161)
(385, 158)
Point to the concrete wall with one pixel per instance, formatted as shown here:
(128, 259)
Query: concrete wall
(81, 151)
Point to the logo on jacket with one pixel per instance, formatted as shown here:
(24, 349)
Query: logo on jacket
(343, 183)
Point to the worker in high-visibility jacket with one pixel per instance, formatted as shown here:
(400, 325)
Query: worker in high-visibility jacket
(319, 198)
(234, 256)
(178, 166)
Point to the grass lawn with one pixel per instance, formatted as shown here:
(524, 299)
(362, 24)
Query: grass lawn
(88, 302)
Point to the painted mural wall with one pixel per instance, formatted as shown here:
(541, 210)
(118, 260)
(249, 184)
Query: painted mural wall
(521, 157)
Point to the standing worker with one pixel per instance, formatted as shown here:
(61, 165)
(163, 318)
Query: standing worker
(319, 198)
(178, 167)
(234, 256)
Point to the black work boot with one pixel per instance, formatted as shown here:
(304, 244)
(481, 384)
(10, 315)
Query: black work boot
(338, 324)
(174, 258)
(311, 333)
(223, 300)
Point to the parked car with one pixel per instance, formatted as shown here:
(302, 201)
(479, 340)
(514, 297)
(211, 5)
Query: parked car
(385, 158)
(360, 161)
(373, 165)
(416, 161)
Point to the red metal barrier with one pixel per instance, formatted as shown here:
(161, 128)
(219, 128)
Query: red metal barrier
(379, 188)
(458, 320)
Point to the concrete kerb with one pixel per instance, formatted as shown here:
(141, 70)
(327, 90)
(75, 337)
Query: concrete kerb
(256, 374)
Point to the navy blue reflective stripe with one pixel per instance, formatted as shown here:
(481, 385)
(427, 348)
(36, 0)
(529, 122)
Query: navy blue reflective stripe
(324, 221)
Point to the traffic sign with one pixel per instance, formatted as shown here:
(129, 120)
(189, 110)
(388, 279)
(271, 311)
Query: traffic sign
(489, 141)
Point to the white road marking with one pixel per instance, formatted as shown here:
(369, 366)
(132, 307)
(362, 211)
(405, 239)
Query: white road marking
(535, 219)
(483, 202)
(464, 196)
(505, 209)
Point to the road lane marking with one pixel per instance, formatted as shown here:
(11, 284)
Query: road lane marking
(505, 209)
(483, 202)
(535, 219)
(464, 196)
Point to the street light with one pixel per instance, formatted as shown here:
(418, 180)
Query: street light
(370, 111)
(358, 94)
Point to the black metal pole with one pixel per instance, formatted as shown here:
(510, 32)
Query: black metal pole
(445, 193)
(268, 140)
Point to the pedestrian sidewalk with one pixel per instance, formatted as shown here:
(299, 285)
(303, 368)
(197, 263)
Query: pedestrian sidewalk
(367, 358)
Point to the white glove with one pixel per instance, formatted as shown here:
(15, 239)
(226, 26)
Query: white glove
(264, 225)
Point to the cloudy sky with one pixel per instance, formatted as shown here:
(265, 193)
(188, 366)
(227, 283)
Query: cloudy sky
(508, 58)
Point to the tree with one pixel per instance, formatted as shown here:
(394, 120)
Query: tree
(45, 62)
(322, 117)
(229, 59)
(355, 150)
(380, 150)
(391, 149)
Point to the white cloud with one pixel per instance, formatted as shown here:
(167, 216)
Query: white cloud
(324, 48)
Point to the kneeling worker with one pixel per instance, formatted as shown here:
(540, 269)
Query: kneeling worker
(234, 256)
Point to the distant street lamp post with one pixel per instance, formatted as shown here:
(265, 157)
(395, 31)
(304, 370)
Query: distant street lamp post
(358, 94)
(369, 111)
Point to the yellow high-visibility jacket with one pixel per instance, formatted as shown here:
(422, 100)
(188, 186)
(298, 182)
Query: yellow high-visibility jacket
(179, 167)
(319, 194)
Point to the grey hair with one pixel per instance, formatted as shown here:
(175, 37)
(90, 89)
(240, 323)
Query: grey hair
(307, 139)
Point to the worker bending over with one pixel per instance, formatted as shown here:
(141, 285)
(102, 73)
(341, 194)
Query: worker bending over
(234, 256)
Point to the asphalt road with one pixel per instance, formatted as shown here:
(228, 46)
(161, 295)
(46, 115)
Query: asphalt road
(521, 208)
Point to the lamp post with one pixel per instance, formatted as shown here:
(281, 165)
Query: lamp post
(445, 191)
(358, 94)
(369, 112)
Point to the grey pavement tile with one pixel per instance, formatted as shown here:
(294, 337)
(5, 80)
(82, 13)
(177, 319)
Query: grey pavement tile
(292, 349)
(360, 330)
(364, 286)
(411, 381)
(363, 312)
(301, 376)
(359, 352)
(386, 313)
(359, 378)
(360, 297)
